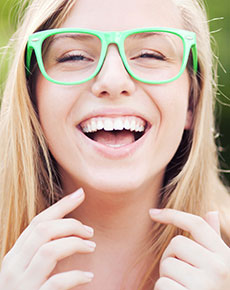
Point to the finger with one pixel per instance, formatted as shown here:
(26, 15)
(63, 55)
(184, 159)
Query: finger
(62, 207)
(45, 260)
(189, 251)
(67, 280)
(180, 272)
(56, 211)
(164, 283)
(212, 218)
(200, 230)
(47, 231)
(192, 253)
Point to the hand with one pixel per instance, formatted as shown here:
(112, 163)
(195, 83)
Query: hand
(199, 264)
(48, 239)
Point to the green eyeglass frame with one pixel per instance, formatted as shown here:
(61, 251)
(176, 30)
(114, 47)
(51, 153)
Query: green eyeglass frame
(35, 42)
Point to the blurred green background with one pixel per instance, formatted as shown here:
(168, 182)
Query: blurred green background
(219, 21)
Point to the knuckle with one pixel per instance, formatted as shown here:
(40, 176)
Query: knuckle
(219, 267)
(8, 265)
(75, 222)
(176, 241)
(6, 261)
(198, 221)
(161, 284)
(8, 271)
(36, 220)
(165, 264)
(208, 283)
(55, 283)
(41, 229)
(222, 270)
(46, 251)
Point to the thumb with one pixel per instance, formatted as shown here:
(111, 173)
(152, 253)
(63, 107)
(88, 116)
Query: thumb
(212, 218)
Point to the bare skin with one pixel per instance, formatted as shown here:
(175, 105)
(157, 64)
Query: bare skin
(46, 240)
(118, 193)
(199, 263)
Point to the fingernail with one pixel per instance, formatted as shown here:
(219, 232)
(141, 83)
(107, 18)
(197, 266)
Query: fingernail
(214, 212)
(89, 275)
(155, 211)
(77, 194)
(89, 229)
(91, 244)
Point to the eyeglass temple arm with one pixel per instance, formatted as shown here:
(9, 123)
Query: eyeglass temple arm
(195, 59)
(29, 52)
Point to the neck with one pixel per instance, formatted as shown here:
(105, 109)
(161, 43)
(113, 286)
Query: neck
(122, 226)
(118, 217)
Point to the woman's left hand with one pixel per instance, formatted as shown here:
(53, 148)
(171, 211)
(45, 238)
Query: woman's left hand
(199, 264)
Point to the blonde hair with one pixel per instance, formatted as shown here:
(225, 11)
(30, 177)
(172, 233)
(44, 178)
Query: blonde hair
(28, 181)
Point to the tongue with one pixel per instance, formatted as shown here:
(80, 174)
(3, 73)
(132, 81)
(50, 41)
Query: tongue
(119, 138)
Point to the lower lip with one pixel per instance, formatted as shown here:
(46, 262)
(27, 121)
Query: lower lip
(114, 152)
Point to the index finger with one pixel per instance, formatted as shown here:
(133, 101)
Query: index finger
(200, 230)
(55, 211)
(62, 207)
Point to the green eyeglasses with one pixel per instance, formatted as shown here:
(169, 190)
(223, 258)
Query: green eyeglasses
(70, 56)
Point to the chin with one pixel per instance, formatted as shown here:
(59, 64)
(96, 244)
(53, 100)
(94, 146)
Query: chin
(107, 181)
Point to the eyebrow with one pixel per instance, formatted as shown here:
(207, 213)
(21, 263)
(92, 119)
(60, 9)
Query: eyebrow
(144, 35)
(75, 36)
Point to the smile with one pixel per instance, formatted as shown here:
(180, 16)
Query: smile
(114, 132)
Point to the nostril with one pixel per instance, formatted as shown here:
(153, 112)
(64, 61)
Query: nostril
(103, 94)
(106, 94)
(125, 93)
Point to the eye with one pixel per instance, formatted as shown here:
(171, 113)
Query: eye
(153, 55)
(73, 58)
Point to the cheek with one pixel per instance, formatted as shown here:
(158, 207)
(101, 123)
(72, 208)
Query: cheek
(53, 104)
(171, 101)
(50, 100)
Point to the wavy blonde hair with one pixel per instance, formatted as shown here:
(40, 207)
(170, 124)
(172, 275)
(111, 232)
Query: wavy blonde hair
(28, 180)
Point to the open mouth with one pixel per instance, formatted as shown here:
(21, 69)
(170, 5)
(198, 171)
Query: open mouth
(114, 131)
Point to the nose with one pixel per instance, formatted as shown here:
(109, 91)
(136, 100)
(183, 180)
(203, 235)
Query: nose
(113, 80)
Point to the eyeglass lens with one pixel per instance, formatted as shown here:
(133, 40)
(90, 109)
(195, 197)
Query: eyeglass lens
(74, 57)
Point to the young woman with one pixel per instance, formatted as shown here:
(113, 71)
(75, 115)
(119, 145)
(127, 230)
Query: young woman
(107, 142)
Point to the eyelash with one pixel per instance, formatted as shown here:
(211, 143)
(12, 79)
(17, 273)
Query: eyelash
(81, 57)
(152, 55)
(66, 58)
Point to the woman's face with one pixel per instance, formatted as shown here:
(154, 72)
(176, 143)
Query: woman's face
(114, 162)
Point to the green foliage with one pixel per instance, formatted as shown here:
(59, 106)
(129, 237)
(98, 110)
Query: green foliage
(219, 16)
(8, 20)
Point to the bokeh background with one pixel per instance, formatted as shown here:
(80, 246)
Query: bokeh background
(219, 21)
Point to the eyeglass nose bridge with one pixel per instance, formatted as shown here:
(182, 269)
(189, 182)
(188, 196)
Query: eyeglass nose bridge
(113, 37)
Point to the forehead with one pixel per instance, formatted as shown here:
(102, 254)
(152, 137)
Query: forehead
(118, 15)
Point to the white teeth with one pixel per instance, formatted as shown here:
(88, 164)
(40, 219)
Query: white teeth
(133, 125)
(94, 125)
(115, 123)
(118, 124)
(126, 124)
(99, 124)
(108, 125)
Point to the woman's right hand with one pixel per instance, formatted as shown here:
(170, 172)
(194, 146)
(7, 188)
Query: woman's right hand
(48, 239)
